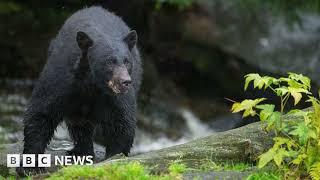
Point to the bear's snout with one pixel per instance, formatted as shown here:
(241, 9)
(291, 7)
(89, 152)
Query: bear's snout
(121, 80)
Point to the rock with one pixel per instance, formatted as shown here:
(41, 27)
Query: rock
(273, 41)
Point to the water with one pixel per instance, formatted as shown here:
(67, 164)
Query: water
(12, 107)
(195, 129)
(195, 126)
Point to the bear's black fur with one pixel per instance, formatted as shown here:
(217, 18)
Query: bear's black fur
(91, 78)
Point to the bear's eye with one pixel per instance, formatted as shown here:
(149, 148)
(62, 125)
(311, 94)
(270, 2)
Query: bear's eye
(128, 65)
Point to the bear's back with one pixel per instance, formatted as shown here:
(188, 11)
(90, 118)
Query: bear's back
(95, 21)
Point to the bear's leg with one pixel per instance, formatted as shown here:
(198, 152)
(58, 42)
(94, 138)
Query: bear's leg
(38, 131)
(82, 136)
(120, 133)
(120, 143)
(39, 128)
(116, 123)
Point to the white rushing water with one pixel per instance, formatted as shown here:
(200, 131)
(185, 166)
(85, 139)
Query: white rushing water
(195, 129)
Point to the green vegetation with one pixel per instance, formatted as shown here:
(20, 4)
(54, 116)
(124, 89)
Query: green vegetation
(230, 166)
(265, 176)
(236, 167)
(135, 170)
(296, 149)
(177, 168)
(117, 171)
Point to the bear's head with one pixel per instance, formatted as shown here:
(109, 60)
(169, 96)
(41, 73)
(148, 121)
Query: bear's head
(110, 60)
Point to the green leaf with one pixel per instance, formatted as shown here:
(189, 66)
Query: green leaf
(274, 120)
(297, 96)
(278, 157)
(303, 79)
(267, 114)
(313, 155)
(280, 141)
(266, 107)
(246, 106)
(269, 81)
(302, 132)
(259, 82)
(278, 152)
(296, 93)
(316, 106)
(249, 78)
(281, 91)
(297, 81)
(299, 159)
(297, 112)
(265, 158)
(314, 171)
(266, 111)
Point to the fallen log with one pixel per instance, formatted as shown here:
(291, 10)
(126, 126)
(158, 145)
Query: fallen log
(243, 144)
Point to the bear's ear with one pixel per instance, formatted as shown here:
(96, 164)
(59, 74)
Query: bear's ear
(131, 39)
(84, 41)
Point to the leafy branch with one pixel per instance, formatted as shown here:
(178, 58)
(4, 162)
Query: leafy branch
(296, 148)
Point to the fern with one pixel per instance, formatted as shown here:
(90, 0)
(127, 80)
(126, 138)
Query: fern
(315, 171)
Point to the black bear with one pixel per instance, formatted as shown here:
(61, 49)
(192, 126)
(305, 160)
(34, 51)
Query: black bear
(91, 78)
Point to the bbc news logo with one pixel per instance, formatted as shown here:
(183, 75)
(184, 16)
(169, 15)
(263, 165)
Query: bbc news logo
(44, 160)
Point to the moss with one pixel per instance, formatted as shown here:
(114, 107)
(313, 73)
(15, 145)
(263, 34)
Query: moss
(271, 175)
(227, 166)
(116, 171)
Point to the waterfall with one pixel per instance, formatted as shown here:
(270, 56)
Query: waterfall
(195, 129)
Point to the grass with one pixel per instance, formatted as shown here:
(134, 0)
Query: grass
(272, 175)
(117, 171)
(228, 166)
(236, 166)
